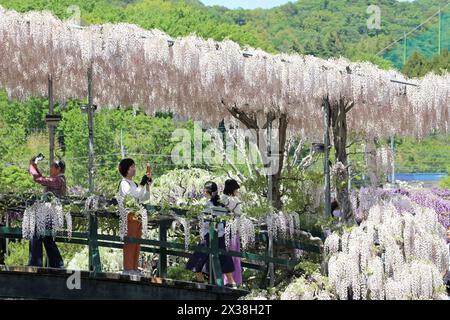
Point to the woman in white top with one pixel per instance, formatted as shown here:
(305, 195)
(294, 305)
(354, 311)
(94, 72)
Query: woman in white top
(141, 193)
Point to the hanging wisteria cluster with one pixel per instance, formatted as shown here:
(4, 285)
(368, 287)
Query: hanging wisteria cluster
(123, 217)
(378, 161)
(390, 255)
(203, 78)
(403, 200)
(242, 229)
(91, 204)
(144, 221)
(282, 224)
(45, 215)
(186, 228)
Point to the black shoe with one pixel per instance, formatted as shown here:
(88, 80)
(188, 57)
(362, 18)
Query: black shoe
(231, 285)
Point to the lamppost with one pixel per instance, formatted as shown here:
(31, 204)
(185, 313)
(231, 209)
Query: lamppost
(94, 254)
(320, 148)
(52, 120)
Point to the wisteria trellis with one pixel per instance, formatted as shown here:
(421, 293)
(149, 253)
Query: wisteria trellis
(201, 78)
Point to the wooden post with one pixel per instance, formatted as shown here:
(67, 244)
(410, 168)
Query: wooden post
(162, 269)
(94, 253)
(6, 239)
(326, 157)
(214, 262)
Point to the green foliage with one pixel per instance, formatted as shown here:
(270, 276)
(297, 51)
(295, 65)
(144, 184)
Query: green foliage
(179, 272)
(301, 186)
(445, 182)
(307, 268)
(111, 258)
(376, 60)
(13, 178)
(144, 139)
(317, 223)
(418, 65)
(423, 39)
(18, 252)
(431, 154)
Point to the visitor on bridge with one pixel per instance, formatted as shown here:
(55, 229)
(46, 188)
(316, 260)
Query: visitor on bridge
(141, 193)
(56, 184)
(199, 261)
(233, 204)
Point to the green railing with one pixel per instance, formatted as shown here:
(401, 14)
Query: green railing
(165, 248)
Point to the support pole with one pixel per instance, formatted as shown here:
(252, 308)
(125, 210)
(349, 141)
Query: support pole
(271, 271)
(7, 239)
(94, 253)
(90, 112)
(215, 274)
(404, 48)
(326, 157)
(51, 127)
(51, 136)
(163, 227)
(393, 157)
(439, 30)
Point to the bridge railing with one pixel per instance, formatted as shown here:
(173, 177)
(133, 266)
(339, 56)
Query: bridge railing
(165, 248)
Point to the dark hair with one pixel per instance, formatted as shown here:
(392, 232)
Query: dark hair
(231, 186)
(212, 189)
(125, 165)
(334, 205)
(60, 164)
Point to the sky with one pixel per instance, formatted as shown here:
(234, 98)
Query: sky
(249, 4)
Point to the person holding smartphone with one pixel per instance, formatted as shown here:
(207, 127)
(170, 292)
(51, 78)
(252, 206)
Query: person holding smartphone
(56, 184)
(141, 193)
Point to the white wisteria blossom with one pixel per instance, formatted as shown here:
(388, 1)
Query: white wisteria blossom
(186, 228)
(91, 204)
(123, 215)
(204, 78)
(391, 255)
(284, 225)
(241, 227)
(42, 216)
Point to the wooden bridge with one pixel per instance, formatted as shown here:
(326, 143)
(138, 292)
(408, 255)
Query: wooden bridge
(48, 283)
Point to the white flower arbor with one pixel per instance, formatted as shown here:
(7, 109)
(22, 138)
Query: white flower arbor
(214, 81)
